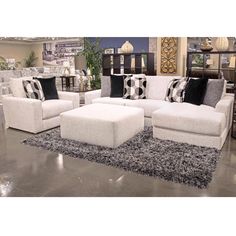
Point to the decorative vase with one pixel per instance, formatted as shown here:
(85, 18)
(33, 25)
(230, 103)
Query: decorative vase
(222, 43)
(206, 46)
(89, 83)
(127, 47)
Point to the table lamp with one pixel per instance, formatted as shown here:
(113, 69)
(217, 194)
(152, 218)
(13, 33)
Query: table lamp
(66, 65)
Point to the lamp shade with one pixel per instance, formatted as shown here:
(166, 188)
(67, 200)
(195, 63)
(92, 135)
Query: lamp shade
(222, 43)
(66, 64)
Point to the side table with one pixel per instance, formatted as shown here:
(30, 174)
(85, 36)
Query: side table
(82, 95)
(67, 81)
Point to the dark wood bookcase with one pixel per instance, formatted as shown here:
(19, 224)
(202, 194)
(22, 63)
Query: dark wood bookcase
(128, 63)
(220, 60)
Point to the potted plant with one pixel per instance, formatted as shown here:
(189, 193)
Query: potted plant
(93, 55)
(30, 61)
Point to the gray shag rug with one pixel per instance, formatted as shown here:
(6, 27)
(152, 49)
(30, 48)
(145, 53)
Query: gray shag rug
(143, 154)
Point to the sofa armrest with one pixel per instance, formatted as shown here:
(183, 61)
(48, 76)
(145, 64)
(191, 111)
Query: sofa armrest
(225, 105)
(23, 113)
(89, 96)
(74, 97)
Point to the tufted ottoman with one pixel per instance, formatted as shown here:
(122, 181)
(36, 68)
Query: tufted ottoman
(102, 124)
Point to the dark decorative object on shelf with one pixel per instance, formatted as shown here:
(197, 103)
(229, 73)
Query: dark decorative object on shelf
(206, 46)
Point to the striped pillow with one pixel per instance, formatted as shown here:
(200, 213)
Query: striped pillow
(33, 89)
(175, 90)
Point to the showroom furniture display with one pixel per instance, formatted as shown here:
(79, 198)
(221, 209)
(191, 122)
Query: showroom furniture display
(102, 124)
(197, 123)
(33, 115)
(127, 63)
(218, 64)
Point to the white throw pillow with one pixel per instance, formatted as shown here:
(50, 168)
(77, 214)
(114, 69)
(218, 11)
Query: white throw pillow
(17, 88)
(157, 86)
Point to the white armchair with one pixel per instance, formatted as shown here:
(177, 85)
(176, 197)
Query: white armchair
(35, 116)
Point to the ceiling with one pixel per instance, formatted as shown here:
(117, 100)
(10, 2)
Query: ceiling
(36, 39)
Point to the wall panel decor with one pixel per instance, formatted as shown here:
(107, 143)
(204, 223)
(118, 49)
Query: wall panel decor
(169, 46)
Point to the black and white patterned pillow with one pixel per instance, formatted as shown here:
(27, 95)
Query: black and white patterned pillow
(175, 90)
(33, 89)
(135, 87)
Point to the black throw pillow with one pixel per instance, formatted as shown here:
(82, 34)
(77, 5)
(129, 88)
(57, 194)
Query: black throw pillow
(117, 86)
(49, 87)
(195, 91)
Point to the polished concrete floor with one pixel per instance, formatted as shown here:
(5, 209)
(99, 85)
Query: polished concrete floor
(27, 171)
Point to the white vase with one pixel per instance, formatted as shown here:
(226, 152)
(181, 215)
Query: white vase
(127, 47)
(222, 43)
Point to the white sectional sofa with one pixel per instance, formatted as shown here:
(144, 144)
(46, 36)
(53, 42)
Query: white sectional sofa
(182, 122)
(33, 115)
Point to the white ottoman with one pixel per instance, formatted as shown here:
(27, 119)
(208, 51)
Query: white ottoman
(102, 124)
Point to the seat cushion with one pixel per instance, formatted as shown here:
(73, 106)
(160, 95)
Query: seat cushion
(52, 108)
(190, 118)
(108, 100)
(148, 105)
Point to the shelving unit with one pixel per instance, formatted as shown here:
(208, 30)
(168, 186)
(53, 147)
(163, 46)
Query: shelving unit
(216, 63)
(128, 63)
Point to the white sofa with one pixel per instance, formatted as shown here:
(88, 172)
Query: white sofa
(182, 122)
(33, 115)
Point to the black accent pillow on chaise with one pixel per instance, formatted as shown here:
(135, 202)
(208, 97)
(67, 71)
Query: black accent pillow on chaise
(195, 91)
(49, 87)
(117, 85)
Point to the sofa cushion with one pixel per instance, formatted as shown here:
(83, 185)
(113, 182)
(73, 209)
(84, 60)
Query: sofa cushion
(17, 88)
(49, 87)
(214, 92)
(117, 85)
(157, 86)
(195, 91)
(190, 118)
(148, 105)
(108, 100)
(54, 107)
(105, 86)
(33, 89)
(135, 87)
(175, 90)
